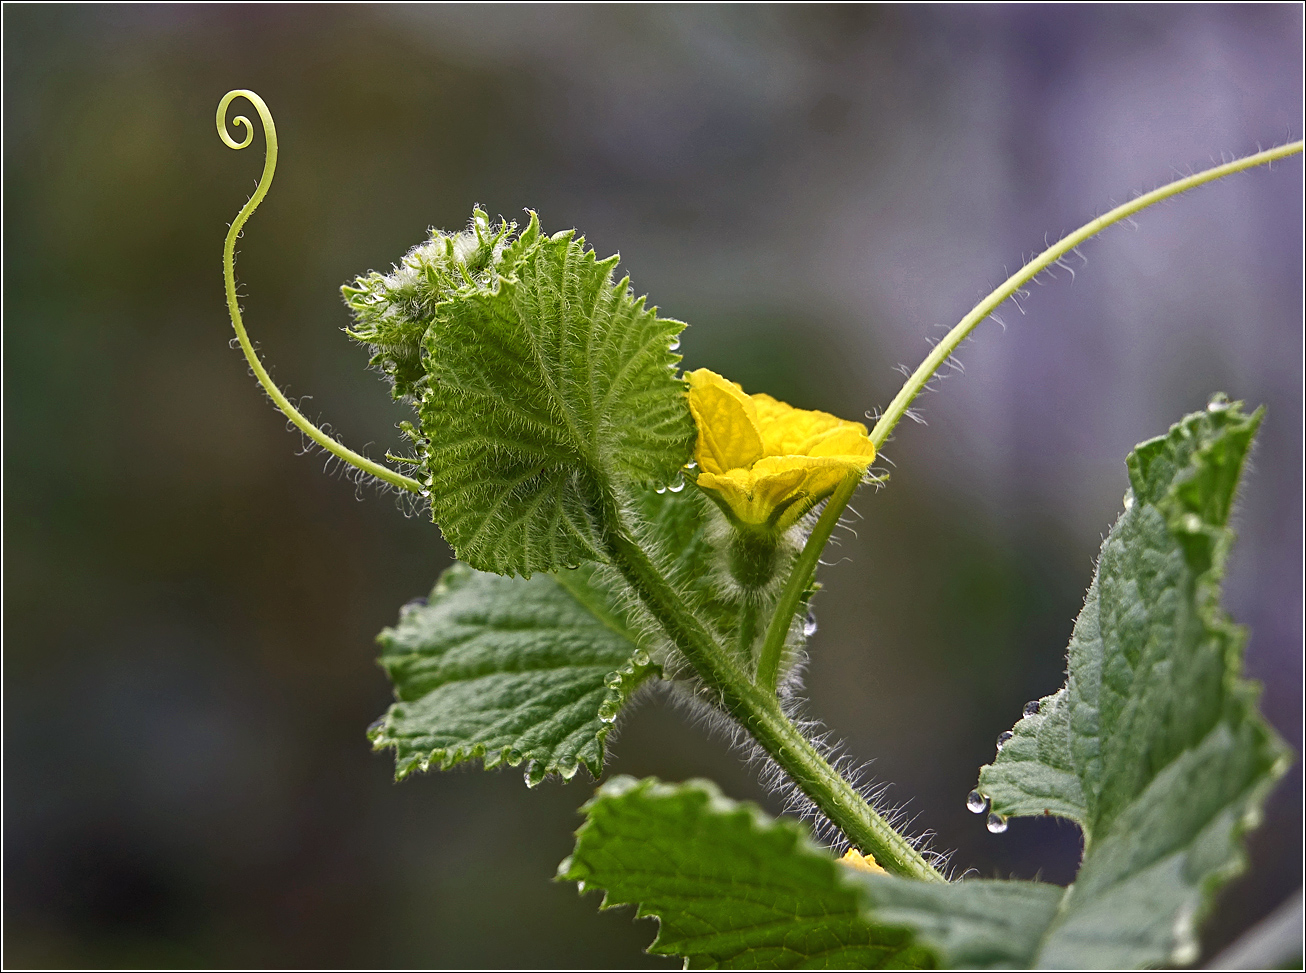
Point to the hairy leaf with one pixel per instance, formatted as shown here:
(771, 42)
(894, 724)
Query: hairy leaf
(971, 924)
(731, 888)
(549, 392)
(1155, 745)
(509, 670)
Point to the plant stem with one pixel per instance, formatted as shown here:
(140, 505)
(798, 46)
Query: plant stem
(747, 630)
(233, 303)
(759, 712)
(1047, 258)
(768, 666)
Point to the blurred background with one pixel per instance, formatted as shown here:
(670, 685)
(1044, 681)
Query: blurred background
(190, 604)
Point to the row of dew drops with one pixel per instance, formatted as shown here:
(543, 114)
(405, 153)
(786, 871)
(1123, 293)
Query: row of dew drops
(977, 803)
(614, 680)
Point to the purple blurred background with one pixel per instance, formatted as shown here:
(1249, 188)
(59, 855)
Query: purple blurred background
(190, 606)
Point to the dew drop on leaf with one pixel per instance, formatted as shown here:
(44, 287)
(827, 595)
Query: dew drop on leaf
(675, 343)
(1003, 737)
(996, 823)
(809, 626)
(976, 802)
(639, 657)
(1031, 708)
(612, 679)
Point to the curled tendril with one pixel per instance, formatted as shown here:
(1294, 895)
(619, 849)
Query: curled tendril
(240, 120)
(310, 430)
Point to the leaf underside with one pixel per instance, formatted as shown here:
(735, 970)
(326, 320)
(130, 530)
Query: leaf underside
(508, 670)
(1155, 745)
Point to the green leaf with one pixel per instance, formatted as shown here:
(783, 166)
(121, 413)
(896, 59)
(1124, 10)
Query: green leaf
(550, 392)
(1155, 745)
(971, 924)
(509, 670)
(731, 887)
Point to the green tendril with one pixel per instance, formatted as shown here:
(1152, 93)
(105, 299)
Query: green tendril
(1012, 285)
(804, 569)
(233, 304)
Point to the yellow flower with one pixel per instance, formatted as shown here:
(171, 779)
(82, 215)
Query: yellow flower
(862, 863)
(769, 462)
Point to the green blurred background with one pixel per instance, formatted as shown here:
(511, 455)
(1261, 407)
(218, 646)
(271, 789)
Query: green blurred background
(190, 604)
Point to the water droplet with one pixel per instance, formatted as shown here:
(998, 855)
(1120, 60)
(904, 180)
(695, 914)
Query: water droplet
(535, 773)
(976, 802)
(639, 657)
(661, 489)
(809, 626)
(426, 493)
(413, 604)
(996, 823)
(513, 757)
(1192, 523)
(375, 728)
(612, 679)
(1003, 737)
(1217, 404)
(691, 465)
(675, 343)
(1031, 708)
(608, 713)
(567, 767)
(1129, 500)
(677, 484)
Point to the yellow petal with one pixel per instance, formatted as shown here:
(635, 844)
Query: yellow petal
(753, 499)
(849, 439)
(861, 863)
(787, 431)
(807, 480)
(769, 462)
(728, 436)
